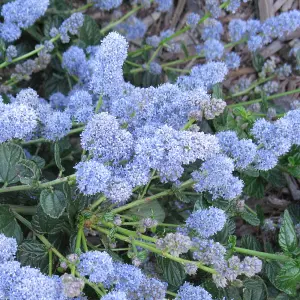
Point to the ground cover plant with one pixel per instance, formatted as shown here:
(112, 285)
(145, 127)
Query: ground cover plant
(136, 164)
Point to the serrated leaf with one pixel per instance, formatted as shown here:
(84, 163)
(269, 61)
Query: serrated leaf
(8, 224)
(294, 210)
(287, 236)
(53, 203)
(250, 218)
(275, 177)
(10, 155)
(250, 242)
(254, 187)
(255, 289)
(28, 172)
(272, 269)
(151, 209)
(289, 277)
(34, 254)
(38, 160)
(89, 33)
(173, 272)
(42, 223)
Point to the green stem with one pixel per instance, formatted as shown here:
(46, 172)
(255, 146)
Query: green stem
(159, 224)
(251, 87)
(262, 255)
(177, 70)
(97, 202)
(40, 186)
(24, 210)
(29, 54)
(41, 140)
(84, 243)
(155, 250)
(267, 98)
(135, 203)
(57, 253)
(117, 22)
(188, 124)
(171, 293)
(148, 184)
(128, 232)
(50, 252)
(99, 104)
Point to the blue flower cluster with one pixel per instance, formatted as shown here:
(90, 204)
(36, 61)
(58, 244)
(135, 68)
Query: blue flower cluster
(19, 15)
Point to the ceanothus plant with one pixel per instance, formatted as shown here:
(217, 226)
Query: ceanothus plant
(126, 177)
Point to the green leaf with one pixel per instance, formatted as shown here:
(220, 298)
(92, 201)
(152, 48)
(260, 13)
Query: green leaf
(28, 172)
(250, 242)
(257, 61)
(173, 272)
(254, 186)
(53, 202)
(255, 289)
(34, 254)
(228, 229)
(287, 235)
(151, 209)
(10, 155)
(217, 91)
(8, 224)
(57, 157)
(250, 218)
(272, 269)
(89, 33)
(42, 223)
(275, 177)
(38, 160)
(294, 210)
(289, 277)
(56, 83)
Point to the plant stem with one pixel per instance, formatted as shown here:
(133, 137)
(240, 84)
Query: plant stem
(263, 255)
(40, 186)
(24, 210)
(148, 184)
(129, 232)
(97, 202)
(252, 86)
(188, 124)
(41, 140)
(84, 243)
(50, 252)
(117, 22)
(155, 250)
(56, 252)
(184, 185)
(267, 98)
(29, 54)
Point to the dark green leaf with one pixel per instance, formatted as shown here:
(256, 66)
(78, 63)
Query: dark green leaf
(42, 223)
(28, 172)
(272, 269)
(89, 33)
(151, 209)
(10, 155)
(173, 272)
(255, 289)
(250, 242)
(56, 83)
(282, 297)
(34, 254)
(275, 177)
(287, 235)
(8, 224)
(289, 277)
(38, 160)
(228, 229)
(294, 210)
(254, 186)
(217, 91)
(74, 206)
(53, 202)
(250, 218)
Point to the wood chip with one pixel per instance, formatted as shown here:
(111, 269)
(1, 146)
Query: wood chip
(287, 5)
(271, 49)
(265, 9)
(277, 5)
